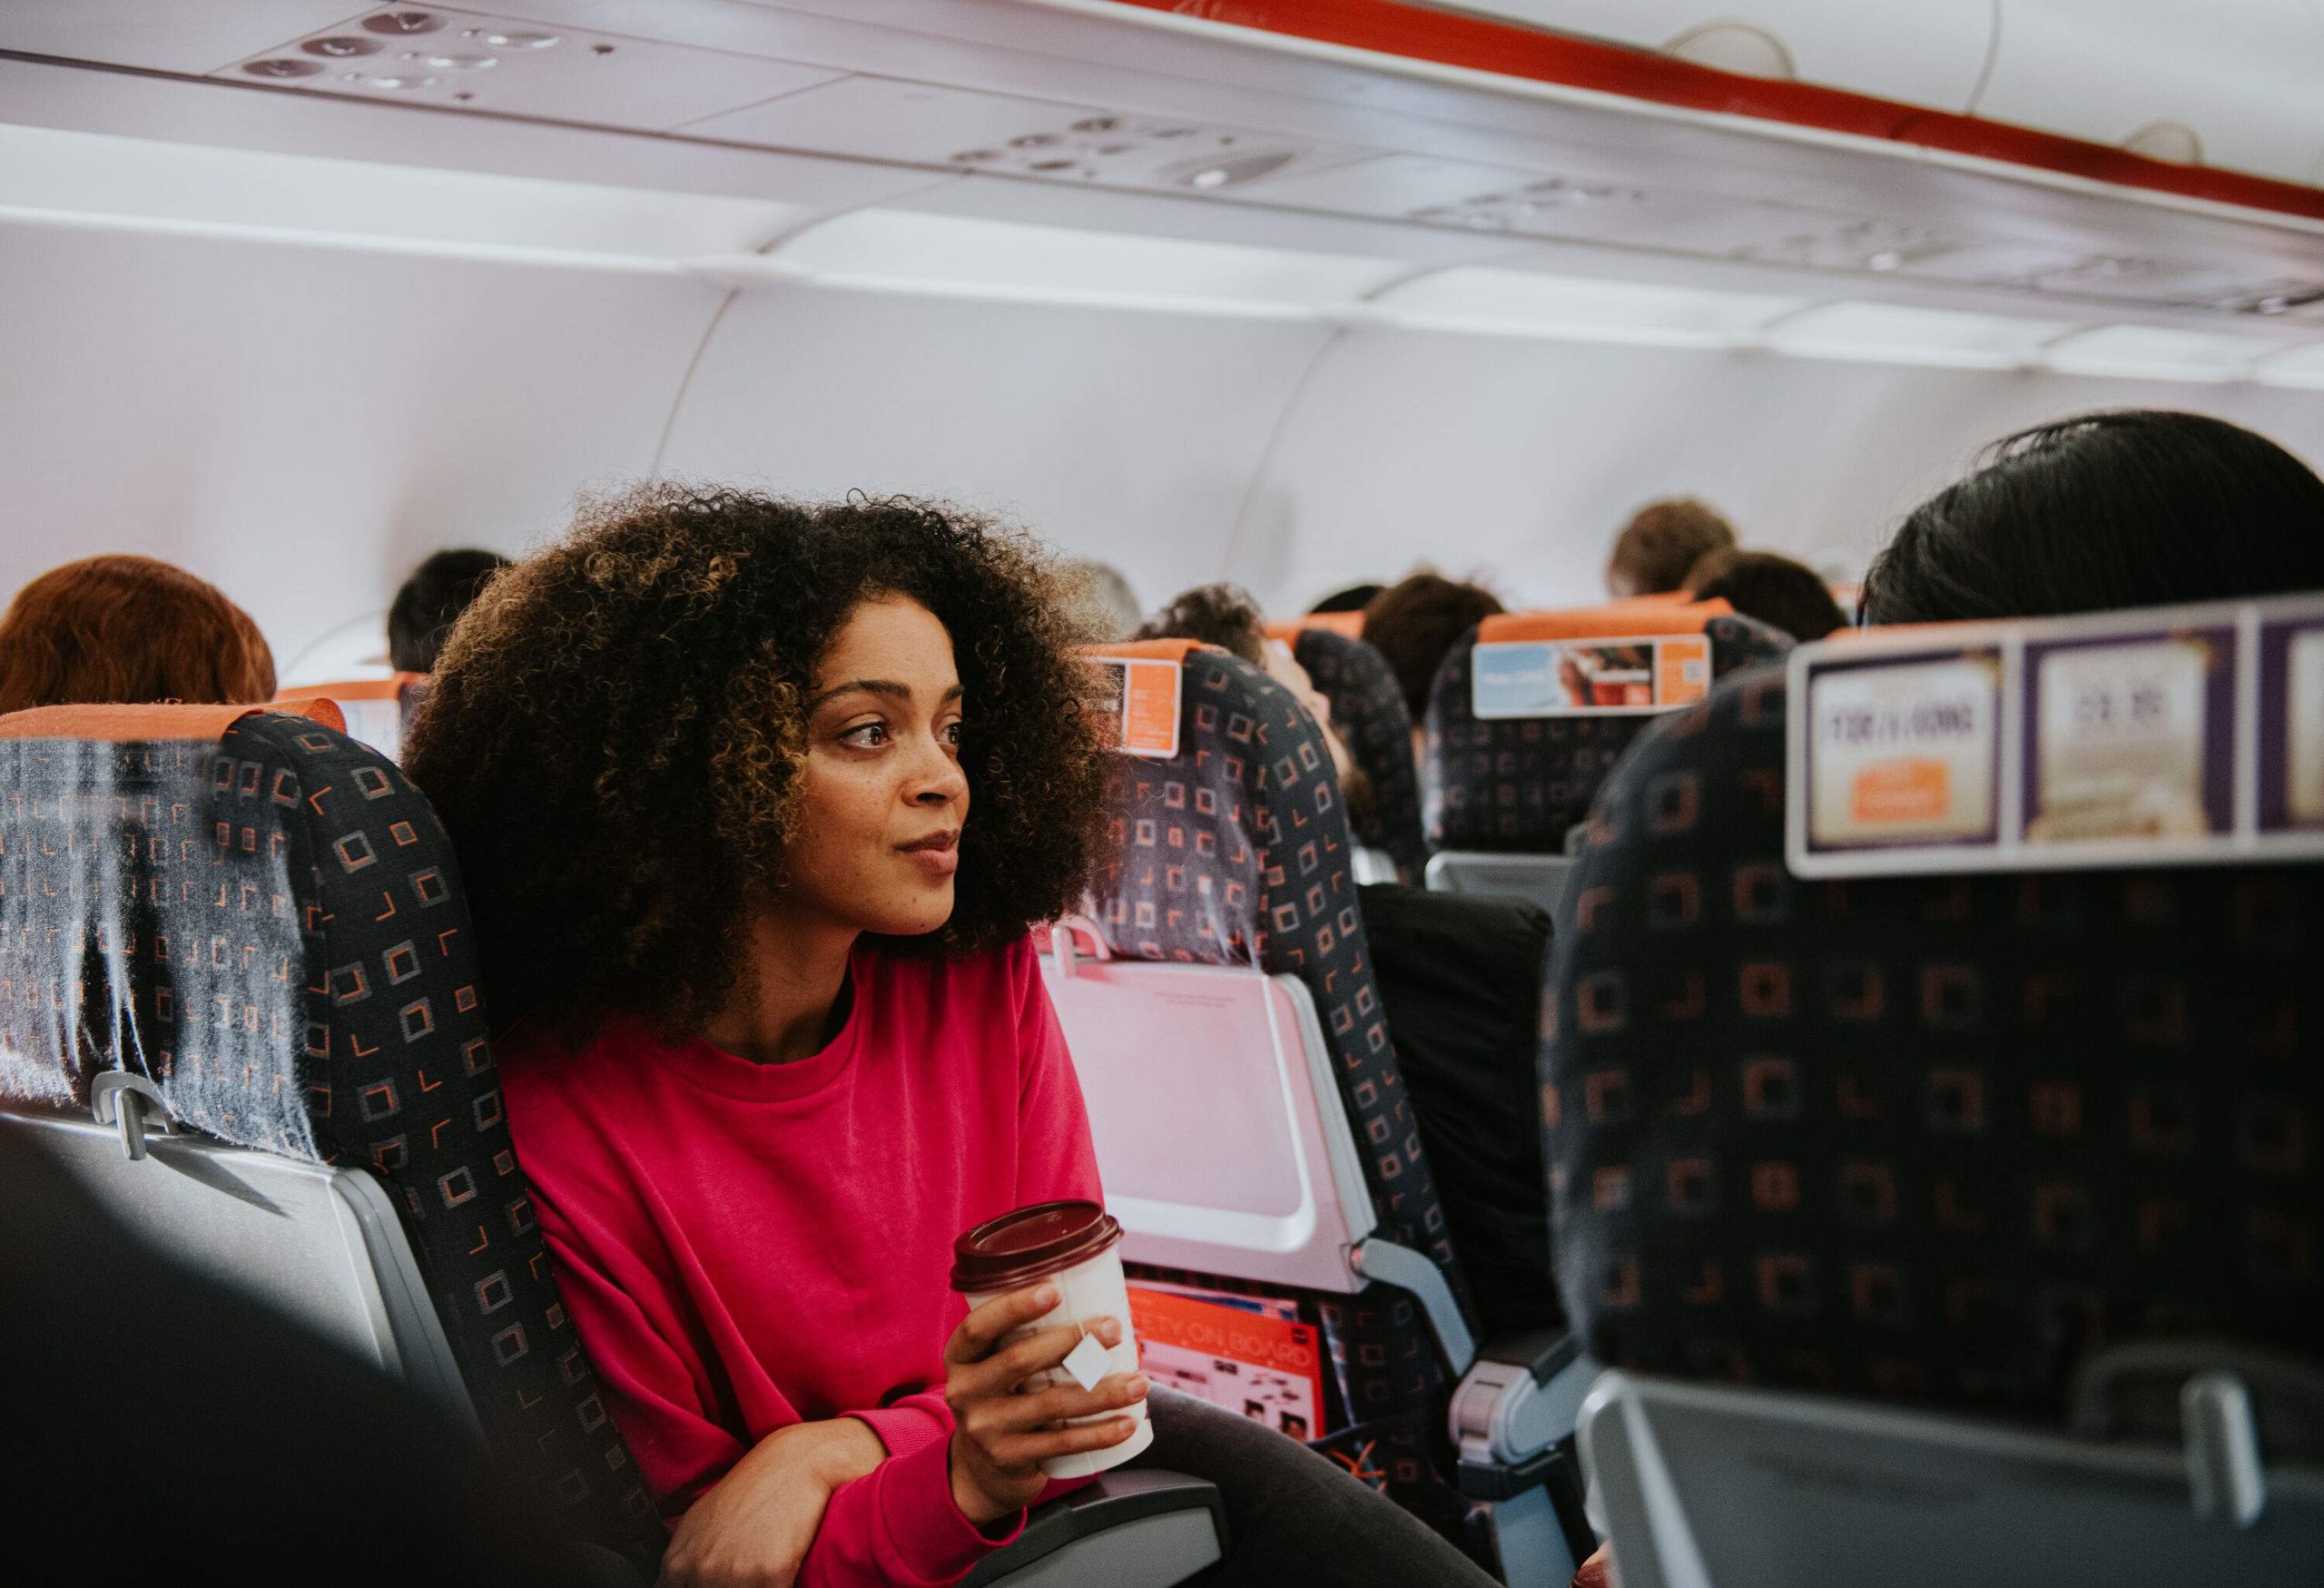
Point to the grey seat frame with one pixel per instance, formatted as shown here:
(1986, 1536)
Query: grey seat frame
(1704, 1486)
(323, 1245)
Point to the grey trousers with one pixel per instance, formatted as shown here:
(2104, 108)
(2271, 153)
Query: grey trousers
(1294, 1518)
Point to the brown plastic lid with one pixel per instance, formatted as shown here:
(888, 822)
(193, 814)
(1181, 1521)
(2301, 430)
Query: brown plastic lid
(1032, 1243)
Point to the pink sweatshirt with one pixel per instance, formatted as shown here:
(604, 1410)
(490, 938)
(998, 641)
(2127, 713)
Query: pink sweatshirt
(746, 1245)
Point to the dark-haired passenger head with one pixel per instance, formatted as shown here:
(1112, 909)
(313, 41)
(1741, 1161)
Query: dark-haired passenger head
(1772, 588)
(431, 601)
(1415, 624)
(1224, 615)
(1661, 543)
(1353, 598)
(129, 630)
(637, 753)
(2134, 509)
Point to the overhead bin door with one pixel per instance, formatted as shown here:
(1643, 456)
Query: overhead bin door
(1926, 53)
(2233, 83)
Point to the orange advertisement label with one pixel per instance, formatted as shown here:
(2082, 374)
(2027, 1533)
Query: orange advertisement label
(1911, 790)
(1682, 669)
(1150, 709)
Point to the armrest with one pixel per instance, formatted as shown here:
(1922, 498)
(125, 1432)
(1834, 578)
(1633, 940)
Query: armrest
(1129, 1529)
(1521, 1398)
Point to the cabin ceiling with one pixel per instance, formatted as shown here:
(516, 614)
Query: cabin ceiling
(1086, 115)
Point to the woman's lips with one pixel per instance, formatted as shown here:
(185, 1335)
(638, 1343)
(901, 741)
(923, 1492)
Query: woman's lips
(939, 854)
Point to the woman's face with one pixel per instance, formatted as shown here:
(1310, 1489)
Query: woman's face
(883, 798)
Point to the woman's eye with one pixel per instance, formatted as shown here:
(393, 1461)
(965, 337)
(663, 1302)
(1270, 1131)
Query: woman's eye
(866, 735)
(953, 734)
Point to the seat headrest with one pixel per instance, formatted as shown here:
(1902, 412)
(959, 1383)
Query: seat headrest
(1530, 712)
(1182, 875)
(117, 724)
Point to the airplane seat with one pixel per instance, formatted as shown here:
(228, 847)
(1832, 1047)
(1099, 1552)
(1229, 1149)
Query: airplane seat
(1501, 792)
(1867, 1172)
(377, 711)
(1218, 991)
(1369, 710)
(237, 937)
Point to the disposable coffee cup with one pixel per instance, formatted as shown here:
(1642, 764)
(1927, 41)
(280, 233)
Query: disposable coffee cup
(1075, 1246)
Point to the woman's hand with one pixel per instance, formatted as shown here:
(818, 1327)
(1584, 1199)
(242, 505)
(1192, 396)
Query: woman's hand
(752, 1528)
(1002, 1437)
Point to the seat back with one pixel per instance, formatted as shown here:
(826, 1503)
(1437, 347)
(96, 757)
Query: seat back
(1369, 711)
(376, 711)
(1230, 858)
(256, 922)
(1529, 713)
(1938, 1136)
(1713, 1488)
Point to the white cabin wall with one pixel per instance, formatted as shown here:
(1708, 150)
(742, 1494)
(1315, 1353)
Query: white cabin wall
(1118, 434)
(1518, 459)
(300, 424)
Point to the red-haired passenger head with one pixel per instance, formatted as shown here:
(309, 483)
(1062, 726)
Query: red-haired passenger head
(129, 629)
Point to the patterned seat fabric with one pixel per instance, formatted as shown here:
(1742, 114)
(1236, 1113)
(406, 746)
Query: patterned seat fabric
(1924, 1138)
(1369, 710)
(264, 919)
(1236, 853)
(1518, 783)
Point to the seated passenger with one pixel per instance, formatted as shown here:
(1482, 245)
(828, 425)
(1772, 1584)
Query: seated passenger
(1226, 616)
(1101, 596)
(775, 1035)
(1416, 623)
(1460, 980)
(129, 630)
(1350, 599)
(2137, 508)
(1663, 541)
(431, 601)
(1774, 588)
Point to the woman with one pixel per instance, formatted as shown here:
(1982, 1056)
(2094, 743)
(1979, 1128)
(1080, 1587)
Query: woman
(129, 629)
(780, 1036)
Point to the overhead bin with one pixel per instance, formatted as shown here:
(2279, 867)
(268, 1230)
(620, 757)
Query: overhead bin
(2237, 85)
(1929, 53)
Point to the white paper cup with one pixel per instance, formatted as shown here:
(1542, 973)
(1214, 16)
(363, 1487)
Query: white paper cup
(1092, 1288)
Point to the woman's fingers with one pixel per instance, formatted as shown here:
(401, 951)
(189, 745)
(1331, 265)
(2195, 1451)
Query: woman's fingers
(986, 1325)
(1018, 1413)
(1023, 1450)
(1013, 1365)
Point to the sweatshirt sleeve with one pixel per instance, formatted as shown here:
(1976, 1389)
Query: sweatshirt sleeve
(649, 1386)
(897, 1525)
(1054, 1154)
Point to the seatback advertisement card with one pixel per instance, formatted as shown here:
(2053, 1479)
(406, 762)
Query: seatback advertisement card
(1906, 751)
(2131, 739)
(2167, 736)
(2291, 727)
(1137, 705)
(1587, 678)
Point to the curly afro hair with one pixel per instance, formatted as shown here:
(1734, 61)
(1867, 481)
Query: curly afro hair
(616, 735)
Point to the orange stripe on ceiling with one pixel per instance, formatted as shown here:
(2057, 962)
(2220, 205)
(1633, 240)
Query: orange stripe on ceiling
(1508, 49)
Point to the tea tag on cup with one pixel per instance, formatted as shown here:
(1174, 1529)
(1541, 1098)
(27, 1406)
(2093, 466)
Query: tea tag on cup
(1088, 1361)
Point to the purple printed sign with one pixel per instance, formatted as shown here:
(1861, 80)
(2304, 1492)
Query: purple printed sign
(2130, 736)
(2291, 726)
